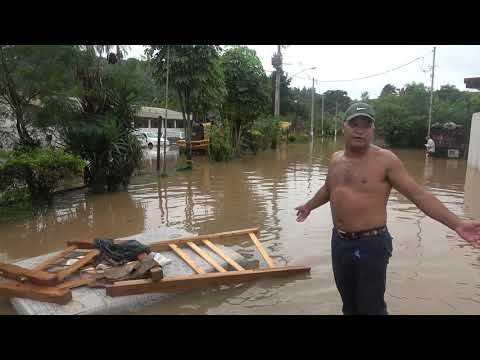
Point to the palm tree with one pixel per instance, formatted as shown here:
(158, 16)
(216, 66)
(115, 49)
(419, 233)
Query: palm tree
(121, 50)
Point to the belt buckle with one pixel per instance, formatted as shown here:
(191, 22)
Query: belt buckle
(350, 235)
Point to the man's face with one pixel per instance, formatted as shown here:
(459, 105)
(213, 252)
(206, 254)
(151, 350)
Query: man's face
(358, 132)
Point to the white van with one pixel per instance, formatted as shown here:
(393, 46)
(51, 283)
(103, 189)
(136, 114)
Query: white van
(148, 137)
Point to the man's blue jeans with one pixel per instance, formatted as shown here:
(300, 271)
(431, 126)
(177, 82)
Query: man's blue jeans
(360, 271)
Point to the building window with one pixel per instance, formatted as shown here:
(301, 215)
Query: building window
(141, 123)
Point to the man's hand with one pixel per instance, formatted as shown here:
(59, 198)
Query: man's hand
(469, 230)
(302, 212)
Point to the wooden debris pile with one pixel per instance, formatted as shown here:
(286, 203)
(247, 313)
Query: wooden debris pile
(54, 279)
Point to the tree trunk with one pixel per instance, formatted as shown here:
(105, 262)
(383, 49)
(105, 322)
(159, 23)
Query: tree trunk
(238, 138)
(98, 180)
(188, 110)
(24, 136)
(189, 138)
(15, 103)
(181, 96)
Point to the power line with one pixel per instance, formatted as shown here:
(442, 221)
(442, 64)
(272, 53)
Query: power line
(370, 76)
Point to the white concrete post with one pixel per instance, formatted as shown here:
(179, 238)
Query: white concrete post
(474, 146)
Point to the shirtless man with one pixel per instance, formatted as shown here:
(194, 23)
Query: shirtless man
(358, 185)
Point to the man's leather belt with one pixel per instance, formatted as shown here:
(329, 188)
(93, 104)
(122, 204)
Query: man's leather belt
(358, 234)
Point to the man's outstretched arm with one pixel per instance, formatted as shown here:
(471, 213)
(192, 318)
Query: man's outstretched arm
(321, 197)
(429, 204)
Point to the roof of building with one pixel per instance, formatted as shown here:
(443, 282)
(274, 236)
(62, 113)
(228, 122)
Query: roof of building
(472, 83)
(154, 113)
(143, 112)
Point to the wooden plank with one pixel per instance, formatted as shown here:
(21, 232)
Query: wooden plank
(61, 275)
(262, 250)
(55, 258)
(81, 244)
(29, 291)
(219, 252)
(206, 257)
(143, 286)
(187, 259)
(38, 277)
(72, 284)
(164, 244)
(216, 236)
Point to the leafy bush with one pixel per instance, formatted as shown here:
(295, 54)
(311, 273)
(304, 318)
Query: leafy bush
(292, 138)
(4, 154)
(113, 153)
(36, 173)
(302, 138)
(220, 147)
(252, 140)
(183, 163)
(263, 134)
(271, 131)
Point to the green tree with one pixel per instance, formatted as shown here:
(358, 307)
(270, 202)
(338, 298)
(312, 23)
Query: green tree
(388, 89)
(449, 93)
(286, 100)
(336, 100)
(402, 119)
(30, 73)
(301, 106)
(120, 50)
(139, 74)
(96, 124)
(247, 89)
(196, 76)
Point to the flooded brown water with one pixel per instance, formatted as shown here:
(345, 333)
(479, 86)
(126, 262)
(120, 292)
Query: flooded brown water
(432, 270)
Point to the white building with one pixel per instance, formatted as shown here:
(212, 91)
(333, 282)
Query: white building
(147, 118)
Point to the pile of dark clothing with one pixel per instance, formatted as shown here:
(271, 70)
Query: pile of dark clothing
(121, 253)
(126, 260)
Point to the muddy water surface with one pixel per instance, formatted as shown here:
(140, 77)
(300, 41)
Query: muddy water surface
(432, 270)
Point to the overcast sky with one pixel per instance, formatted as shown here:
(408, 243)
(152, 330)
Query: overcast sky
(340, 62)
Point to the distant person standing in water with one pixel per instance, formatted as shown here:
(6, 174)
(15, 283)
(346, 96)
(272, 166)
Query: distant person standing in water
(358, 185)
(430, 145)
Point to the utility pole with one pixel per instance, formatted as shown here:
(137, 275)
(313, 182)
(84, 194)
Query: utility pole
(277, 83)
(431, 92)
(159, 133)
(336, 112)
(277, 64)
(160, 121)
(313, 103)
(164, 171)
(323, 105)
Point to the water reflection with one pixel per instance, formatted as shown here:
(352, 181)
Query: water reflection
(77, 216)
(430, 261)
(150, 159)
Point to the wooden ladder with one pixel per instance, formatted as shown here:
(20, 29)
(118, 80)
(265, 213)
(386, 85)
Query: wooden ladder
(201, 278)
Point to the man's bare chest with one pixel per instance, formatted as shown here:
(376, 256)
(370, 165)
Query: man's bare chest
(364, 176)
